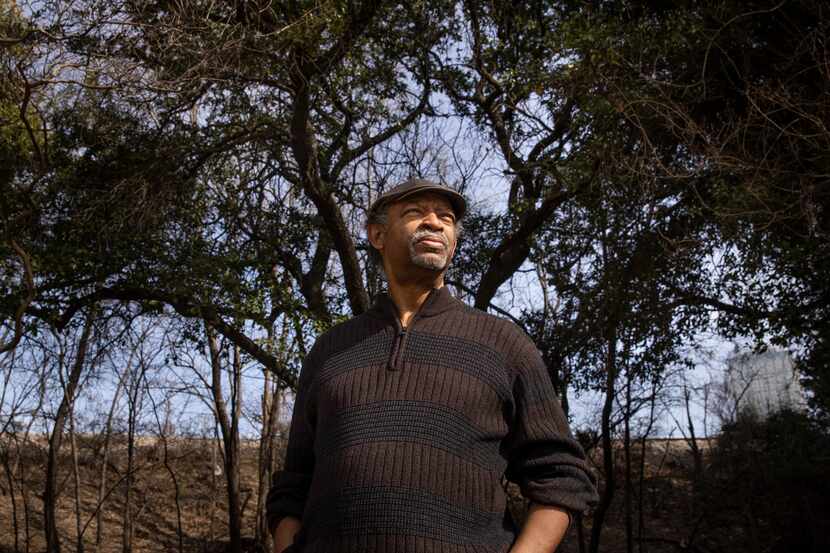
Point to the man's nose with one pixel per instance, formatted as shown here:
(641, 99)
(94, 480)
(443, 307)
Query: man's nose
(431, 220)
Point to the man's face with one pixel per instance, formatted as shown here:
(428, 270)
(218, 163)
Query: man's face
(420, 231)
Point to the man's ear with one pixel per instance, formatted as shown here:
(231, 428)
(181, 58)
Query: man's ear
(377, 235)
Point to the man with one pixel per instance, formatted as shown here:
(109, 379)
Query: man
(407, 416)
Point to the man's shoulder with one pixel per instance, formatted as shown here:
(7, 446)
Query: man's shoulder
(495, 331)
(343, 333)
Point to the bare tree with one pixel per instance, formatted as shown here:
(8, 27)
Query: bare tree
(229, 427)
(21, 401)
(104, 452)
(652, 402)
(163, 429)
(32, 388)
(272, 397)
(147, 348)
(70, 386)
(607, 444)
(76, 474)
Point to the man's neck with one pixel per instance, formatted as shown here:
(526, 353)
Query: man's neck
(408, 297)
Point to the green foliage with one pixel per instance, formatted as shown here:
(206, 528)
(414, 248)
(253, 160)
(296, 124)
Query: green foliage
(771, 477)
(727, 101)
(176, 174)
(18, 144)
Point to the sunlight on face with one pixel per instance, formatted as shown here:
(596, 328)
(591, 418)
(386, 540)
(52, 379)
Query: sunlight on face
(429, 229)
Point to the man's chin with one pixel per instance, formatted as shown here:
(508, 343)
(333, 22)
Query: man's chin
(431, 262)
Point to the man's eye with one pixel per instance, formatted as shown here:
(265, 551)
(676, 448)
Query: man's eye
(448, 217)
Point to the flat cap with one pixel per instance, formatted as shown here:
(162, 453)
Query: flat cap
(414, 186)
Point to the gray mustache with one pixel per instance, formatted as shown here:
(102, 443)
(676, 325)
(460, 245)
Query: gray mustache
(420, 235)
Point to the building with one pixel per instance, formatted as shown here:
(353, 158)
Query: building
(763, 383)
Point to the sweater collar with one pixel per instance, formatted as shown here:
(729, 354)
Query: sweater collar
(438, 301)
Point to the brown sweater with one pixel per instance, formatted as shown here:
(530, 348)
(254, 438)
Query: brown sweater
(400, 436)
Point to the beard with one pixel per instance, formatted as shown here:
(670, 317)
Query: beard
(434, 258)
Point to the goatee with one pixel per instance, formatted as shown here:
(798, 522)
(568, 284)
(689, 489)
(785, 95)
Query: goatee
(436, 259)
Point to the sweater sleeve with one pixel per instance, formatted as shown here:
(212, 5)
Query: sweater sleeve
(290, 486)
(543, 457)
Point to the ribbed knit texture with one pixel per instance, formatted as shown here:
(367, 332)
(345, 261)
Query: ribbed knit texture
(399, 440)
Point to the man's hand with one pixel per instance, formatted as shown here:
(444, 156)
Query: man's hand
(284, 533)
(543, 530)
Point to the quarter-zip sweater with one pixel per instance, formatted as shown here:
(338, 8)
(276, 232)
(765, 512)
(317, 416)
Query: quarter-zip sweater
(400, 437)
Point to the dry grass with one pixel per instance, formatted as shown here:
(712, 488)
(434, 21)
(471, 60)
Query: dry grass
(202, 496)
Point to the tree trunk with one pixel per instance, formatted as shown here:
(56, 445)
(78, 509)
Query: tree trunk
(134, 395)
(697, 456)
(76, 473)
(24, 490)
(271, 401)
(50, 493)
(229, 428)
(27, 517)
(232, 461)
(102, 485)
(214, 445)
(641, 524)
(163, 430)
(263, 462)
(177, 495)
(10, 469)
(607, 445)
(629, 518)
(126, 514)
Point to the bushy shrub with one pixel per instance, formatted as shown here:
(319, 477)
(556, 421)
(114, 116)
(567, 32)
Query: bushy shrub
(769, 485)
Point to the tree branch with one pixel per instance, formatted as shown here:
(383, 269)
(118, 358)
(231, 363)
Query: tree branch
(186, 307)
(305, 150)
(28, 278)
(514, 248)
(350, 155)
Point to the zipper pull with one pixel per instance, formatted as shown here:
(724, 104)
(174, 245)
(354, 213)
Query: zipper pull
(392, 364)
